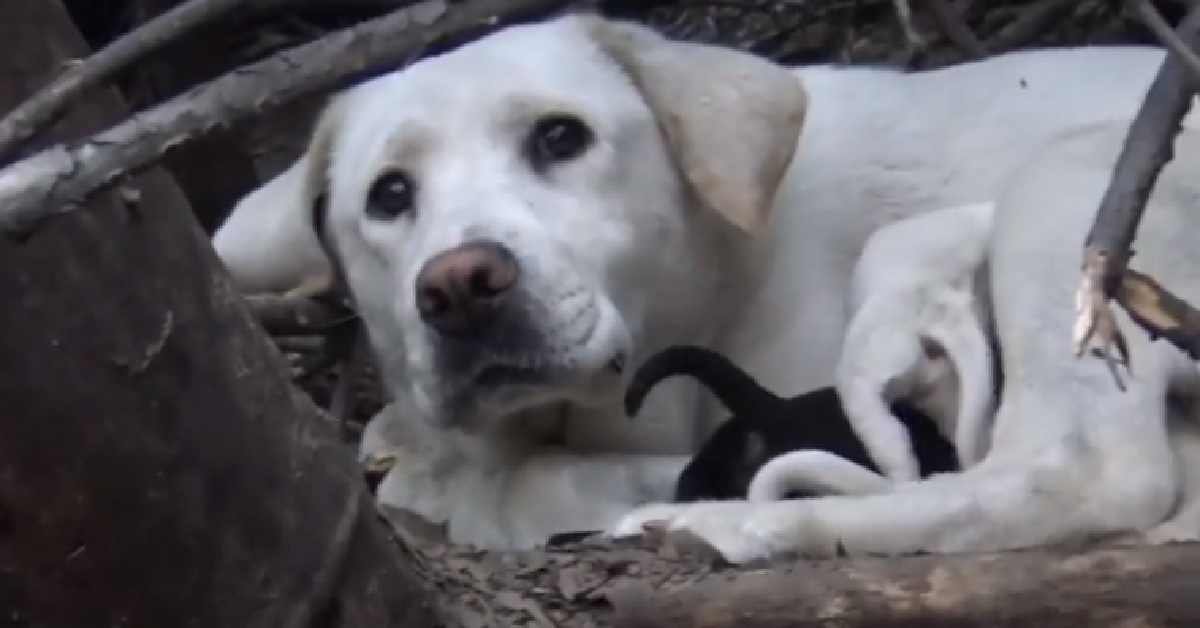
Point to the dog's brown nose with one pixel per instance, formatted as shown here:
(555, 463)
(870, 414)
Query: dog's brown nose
(462, 288)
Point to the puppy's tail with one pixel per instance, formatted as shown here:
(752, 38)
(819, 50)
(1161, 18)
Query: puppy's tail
(736, 390)
(814, 472)
(961, 334)
(880, 346)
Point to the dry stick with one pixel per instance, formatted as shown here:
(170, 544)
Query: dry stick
(1163, 31)
(1144, 586)
(293, 316)
(956, 31)
(1148, 147)
(1029, 25)
(341, 401)
(1160, 313)
(60, 179)
(48, 105)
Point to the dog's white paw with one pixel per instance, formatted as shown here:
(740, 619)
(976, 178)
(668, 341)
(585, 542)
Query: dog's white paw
(741, 531)
(636, 522)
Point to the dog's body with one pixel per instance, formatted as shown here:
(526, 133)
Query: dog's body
(638, 240)
(918, 332)
(829, 458)
(1073, 457)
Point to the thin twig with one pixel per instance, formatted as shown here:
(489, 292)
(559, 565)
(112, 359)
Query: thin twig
(310, 364)
(294, 316)
(1031, 24)
(341, 401)
(299, 344)
(1160, 313)
(1096, 329)
(62, 178)
(953, 27)
(1163, 31)
(45, 108)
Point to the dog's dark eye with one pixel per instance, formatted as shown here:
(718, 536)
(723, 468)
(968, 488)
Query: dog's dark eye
(558, 138)
(392, 194)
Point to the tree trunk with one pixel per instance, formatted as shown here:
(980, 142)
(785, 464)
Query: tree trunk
(156, 467)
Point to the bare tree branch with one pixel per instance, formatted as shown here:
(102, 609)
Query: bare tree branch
(1163, 31)
(953, 27)
(341, 401)
(47, 106)
(61, 178)
(295, 316)
(1031, 24)
(1148, 147)
(1160, 313)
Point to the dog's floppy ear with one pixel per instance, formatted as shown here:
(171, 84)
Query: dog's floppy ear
(315, 191)
(732, 119)
(314, 188)
(268, 243)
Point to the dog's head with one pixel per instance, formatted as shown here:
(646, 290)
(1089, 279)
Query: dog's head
(515, 218)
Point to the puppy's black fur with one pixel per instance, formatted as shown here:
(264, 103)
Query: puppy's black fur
(764, 426)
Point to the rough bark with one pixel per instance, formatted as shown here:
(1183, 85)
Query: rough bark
(1159, 312)
(662, 583)
(1145, 587)
(156, 467)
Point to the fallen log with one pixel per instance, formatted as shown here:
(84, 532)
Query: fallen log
(1113, 587)
(648, 583)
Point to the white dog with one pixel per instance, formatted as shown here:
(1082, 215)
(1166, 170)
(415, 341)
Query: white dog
(522, 216)
(918, 332)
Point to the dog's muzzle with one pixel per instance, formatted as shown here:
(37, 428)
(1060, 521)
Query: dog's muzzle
(463, 292)
(490, 333)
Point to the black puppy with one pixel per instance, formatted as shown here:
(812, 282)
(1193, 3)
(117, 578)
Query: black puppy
(764, 426)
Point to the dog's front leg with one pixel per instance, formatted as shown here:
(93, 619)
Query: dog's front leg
(556, 492)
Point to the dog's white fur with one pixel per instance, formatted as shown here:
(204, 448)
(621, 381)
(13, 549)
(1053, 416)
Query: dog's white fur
(505, 498)
(268, 243)
(915, 287)
(916, 282)
(642, 241)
